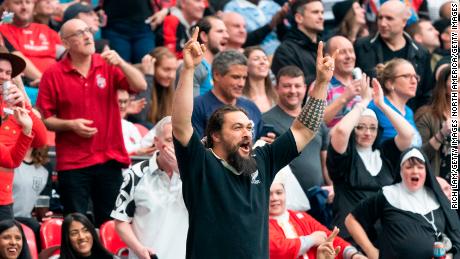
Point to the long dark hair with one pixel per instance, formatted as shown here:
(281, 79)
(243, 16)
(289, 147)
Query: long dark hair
(9, 223)
(216, 121)
(440, 99)
(67, 251)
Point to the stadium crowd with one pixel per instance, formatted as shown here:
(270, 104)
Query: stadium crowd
(226, 129)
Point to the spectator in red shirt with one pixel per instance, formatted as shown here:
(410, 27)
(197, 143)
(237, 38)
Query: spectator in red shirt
(175, 30)
(295, 234)
(78, 98)
(37, 42)
(17, 132)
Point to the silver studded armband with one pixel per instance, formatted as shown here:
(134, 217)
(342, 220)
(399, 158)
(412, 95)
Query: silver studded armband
(312, 113)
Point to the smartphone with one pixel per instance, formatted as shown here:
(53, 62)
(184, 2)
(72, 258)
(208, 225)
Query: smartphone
(268, 128)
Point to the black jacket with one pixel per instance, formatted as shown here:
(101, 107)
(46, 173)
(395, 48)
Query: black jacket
(297, 49)
(369, 53)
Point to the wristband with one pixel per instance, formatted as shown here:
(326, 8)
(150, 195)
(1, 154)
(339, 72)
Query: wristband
(312, 113)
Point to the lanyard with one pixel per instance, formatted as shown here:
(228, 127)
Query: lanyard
(436, 232)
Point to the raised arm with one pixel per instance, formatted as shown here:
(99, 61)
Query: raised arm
(183, 97)
(405, 131)
(134, 77)
(12, 157)
(340, 133)
(309, 121)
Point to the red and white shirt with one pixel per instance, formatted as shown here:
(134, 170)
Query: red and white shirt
(37, 42)
(67, 94)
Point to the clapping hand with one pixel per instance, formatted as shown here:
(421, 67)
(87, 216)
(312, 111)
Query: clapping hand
(326, 249)
(377, 94)
(135, 106)
(324, 65)
(365, 89)
(193, 52)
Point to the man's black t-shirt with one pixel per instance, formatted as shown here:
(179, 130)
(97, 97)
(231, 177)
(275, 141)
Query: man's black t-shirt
(389, 54)
(228, 213)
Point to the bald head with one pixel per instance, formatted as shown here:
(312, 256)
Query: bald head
(77, 37)
(392, 19)
(236, 27)
(69, 26)
(397, 7)
(346, 58)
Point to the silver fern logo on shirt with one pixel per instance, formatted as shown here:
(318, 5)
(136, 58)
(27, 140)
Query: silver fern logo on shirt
(254, 179)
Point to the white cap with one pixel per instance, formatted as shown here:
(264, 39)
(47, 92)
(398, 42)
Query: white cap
(370, 113)
(412, 153)
(280, 177)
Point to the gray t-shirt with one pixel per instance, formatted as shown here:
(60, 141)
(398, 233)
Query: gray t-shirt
(307, 166)
(29, 182)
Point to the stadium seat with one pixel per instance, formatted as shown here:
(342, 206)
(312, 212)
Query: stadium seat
(50, 233)
(111, 240)
(30, 236)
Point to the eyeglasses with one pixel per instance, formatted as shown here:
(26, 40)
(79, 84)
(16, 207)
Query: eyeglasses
(409, 76)
(123, 101)
(80, 33)
(364, 128)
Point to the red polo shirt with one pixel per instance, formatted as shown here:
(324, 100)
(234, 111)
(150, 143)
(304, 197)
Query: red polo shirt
(36, 41)
(68, 95)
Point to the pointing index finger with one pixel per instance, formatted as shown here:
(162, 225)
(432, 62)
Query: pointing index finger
(195, 33)
(334, 233)
(320, 50)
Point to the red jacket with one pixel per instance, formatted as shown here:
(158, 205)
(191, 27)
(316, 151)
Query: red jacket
(304, 224)
(10, 137)
(12, 157)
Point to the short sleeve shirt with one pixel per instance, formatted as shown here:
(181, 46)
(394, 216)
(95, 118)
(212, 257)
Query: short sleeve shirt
(68, 95)
(228, 213)
(335, 89)
(152, 202)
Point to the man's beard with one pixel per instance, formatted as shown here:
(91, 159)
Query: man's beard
(214, 49)
(244, 165)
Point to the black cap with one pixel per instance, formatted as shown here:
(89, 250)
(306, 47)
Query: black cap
(340, 10)
(73, 10)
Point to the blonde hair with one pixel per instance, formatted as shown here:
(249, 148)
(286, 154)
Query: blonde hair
(387, 71)
(162, 97)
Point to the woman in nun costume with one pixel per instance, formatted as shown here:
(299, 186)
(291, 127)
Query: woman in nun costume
(414, 214)
(356, 166)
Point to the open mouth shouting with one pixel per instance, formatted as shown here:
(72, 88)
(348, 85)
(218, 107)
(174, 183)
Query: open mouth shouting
(245, 146)
(414, 180)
